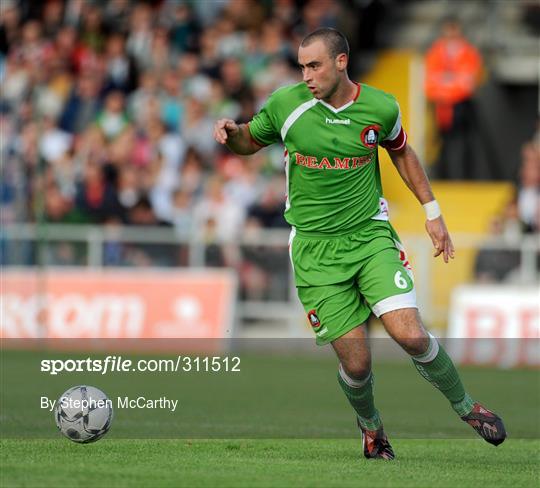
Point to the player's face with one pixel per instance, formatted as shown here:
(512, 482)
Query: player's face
(320, 72)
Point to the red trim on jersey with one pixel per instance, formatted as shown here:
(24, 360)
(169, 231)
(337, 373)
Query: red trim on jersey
(253, 139)
(396, 144)
(358, 88)
(404, 260)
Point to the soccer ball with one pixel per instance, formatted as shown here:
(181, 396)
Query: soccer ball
(83, 414)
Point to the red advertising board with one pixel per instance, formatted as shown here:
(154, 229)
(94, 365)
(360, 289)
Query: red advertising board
(117, 304)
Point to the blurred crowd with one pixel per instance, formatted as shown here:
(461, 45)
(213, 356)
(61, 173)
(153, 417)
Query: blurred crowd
(107, 109)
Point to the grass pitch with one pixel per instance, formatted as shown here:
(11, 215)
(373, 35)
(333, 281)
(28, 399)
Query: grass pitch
(282, 422)
(267, 463)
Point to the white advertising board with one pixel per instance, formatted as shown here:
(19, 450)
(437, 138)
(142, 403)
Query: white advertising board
(495, 325)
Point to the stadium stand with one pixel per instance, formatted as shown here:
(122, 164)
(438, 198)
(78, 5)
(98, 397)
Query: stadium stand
(107, 109)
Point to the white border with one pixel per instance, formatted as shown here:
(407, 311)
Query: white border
(396, 302)
(295, 115)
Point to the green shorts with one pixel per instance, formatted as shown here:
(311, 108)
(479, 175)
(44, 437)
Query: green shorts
(341, 280)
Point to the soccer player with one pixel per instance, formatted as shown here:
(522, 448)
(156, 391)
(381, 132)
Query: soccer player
(347, 258)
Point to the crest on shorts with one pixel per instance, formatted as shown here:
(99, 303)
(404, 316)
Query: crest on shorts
(370, 136)
(313, 319)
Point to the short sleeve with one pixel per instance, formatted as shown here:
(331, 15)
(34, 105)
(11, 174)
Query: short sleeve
(263, 125)
(396, 136)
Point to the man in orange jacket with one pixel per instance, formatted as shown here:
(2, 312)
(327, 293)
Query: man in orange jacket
(453, 69)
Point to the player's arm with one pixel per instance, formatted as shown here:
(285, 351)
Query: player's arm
(236, 137)
(411, 171)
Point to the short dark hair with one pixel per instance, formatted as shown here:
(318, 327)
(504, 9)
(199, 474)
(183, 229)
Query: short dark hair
(334, 40)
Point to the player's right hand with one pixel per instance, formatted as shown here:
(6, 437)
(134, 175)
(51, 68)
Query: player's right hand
(441, 238)
(225, 128)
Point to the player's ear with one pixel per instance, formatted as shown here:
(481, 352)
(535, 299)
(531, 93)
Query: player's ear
(341, 62)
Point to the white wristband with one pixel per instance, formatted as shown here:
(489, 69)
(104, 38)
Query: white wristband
(432, 209)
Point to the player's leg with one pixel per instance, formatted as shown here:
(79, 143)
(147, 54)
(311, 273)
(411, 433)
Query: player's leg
(355, 377)
(356, 381)
(434, 364)
(429, 357)
(325, 271)
(386, 282)
(334, 312)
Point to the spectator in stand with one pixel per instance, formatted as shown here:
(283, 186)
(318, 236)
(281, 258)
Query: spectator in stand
(268, 210)
(197, 129)
(129, 192)
(171, 100)
(245, 14)
(113, 120)
(529, 187)
(453, 70)
(208, 54)
(92, 33)
(15, 81)
(192, 175)
(226, 217)
(9, 26)
(116, 15)
(184, 29)
(146, 92)
(52, 17)
(232, 76)
(194, 81)
(139, 42)
(83, 104)
(521, 215)
(494, 264)
(162, 57)
(64, 46)
(182, 213)
(264, 269)
(52, 87)
(243, 181)
(33, 48)
(96, 194)
(54, 142)
(120, 69)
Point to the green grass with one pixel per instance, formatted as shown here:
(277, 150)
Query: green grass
(268, 463)
(282, 421)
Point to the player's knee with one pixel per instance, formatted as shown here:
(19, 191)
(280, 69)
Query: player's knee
(415, 344)
(355, 370)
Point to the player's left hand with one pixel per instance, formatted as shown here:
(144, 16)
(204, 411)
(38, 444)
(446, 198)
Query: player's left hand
(441, 238)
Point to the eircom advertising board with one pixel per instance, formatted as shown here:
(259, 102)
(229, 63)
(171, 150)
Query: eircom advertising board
(495, 325)
(117, 304)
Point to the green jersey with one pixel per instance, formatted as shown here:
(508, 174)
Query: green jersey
(331, 159)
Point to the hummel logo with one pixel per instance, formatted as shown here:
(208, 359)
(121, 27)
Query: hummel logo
(338, 121)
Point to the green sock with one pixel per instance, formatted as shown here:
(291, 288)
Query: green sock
(360, 396)
(436, 366)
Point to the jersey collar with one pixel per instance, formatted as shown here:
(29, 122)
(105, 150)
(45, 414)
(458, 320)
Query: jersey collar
(347, 105)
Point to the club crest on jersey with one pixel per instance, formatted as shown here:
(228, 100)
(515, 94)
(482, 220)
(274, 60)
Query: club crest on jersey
(370, 136)
(313, 319)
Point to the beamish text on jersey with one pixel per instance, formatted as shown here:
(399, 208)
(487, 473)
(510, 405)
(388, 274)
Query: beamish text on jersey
(339, 163)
